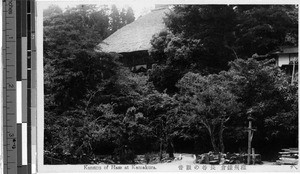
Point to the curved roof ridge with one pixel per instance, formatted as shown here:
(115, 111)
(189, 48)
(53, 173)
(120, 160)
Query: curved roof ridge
(135, 36)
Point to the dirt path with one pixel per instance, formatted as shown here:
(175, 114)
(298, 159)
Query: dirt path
(185, 159)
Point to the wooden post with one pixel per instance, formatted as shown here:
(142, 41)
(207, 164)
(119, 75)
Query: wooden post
(293, 73)
(249, 140)
(253, 156)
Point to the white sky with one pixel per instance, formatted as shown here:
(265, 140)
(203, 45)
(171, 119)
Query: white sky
(141, 7)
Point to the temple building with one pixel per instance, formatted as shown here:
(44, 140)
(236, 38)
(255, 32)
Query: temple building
(133, 40)
(286, 57)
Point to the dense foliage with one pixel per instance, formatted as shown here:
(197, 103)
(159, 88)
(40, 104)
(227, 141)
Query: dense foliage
(266, 94)
(210, 103)
(78, 81)
(204, 38)
(195, 98)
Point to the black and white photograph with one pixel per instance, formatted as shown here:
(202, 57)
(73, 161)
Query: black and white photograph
(179, 86)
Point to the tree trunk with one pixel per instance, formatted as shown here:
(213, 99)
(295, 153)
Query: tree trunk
(222, 147)
(211, 130)
(160, 150)
(170, 149)
(213, 142)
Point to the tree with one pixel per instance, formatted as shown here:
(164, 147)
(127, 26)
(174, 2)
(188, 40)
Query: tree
(129, 15)
(161, 111)
(210, 25)
(196, 32)
(265, 90)
(126, 17)
(205, 38)
(88, 96)
(123, 17)
(81, 27)
(115, 19)
(75, 77)
(210, 103)
(174, 56)
(71, 66)
(102, 110)
(264, 28)
(52, 10)
(71, 106)
(71, 80)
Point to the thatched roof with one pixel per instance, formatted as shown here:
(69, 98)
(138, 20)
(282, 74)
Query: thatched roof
(136, 36)
(285, 50)
(288, 50)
